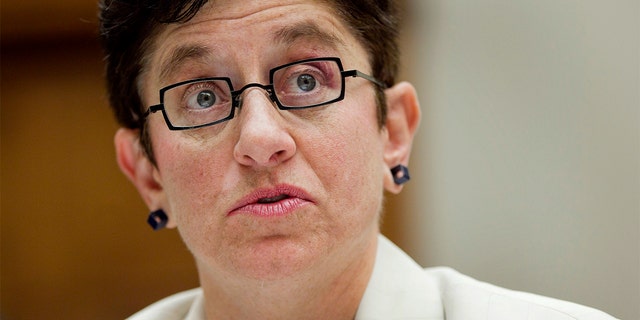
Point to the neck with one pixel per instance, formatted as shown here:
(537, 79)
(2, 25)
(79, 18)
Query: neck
(323, 292)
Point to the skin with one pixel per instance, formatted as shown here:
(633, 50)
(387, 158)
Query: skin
(293, 258)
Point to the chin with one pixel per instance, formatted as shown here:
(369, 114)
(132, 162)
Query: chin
(279, 257)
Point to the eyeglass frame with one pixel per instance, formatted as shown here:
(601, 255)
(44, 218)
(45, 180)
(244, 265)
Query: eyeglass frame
(269, 88)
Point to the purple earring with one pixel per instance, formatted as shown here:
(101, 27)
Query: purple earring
(157, 219)
(400, 174)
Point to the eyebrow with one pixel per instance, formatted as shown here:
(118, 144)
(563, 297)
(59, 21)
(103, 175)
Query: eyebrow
(305, 30)
(180, 56)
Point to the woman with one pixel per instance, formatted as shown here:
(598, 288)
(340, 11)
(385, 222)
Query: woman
(266, 132)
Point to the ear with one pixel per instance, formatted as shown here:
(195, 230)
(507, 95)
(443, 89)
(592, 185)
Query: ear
(144, 175)
(403, 118)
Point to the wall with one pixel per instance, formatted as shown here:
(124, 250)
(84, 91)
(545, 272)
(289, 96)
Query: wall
(527, 168)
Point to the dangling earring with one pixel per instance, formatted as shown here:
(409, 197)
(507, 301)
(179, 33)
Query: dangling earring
(157, 219)
(400, 179)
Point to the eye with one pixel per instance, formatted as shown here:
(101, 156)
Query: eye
(306, 82)
(303, 80)
(204, 95)
(204, 99)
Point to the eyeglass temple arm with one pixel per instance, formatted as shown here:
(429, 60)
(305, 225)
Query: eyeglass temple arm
(153, 109)
(356, 73)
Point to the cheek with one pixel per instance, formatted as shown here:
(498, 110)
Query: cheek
(347, 155)
(191, 175)
(360, 144)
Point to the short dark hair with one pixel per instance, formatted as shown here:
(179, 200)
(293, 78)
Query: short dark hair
(128, 27)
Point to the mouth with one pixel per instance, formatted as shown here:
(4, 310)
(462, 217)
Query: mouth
(272, 202)
(273, 199)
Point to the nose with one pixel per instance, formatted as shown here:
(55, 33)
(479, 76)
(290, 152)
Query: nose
(264, 140)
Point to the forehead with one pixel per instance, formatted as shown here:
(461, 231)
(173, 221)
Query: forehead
(232, 30)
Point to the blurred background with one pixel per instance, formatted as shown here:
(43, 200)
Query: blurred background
(526, 169)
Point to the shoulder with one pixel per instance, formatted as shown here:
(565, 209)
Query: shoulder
(176, 306)
(467, 298)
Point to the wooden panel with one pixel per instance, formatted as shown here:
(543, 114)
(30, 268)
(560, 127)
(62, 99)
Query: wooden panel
(75, 244)
(33, 20)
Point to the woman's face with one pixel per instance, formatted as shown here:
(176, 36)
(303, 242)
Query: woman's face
(270, 192)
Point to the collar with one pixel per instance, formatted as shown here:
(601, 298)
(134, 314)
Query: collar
(399, 288)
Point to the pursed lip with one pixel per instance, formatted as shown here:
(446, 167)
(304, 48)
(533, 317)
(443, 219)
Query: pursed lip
(270, 202)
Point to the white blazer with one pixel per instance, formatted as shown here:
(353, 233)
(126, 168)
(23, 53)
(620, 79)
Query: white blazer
(400, 289)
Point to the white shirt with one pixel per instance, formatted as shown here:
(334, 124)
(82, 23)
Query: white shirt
(400, 289)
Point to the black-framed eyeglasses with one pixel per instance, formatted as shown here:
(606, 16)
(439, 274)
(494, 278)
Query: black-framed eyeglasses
(298, 85)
